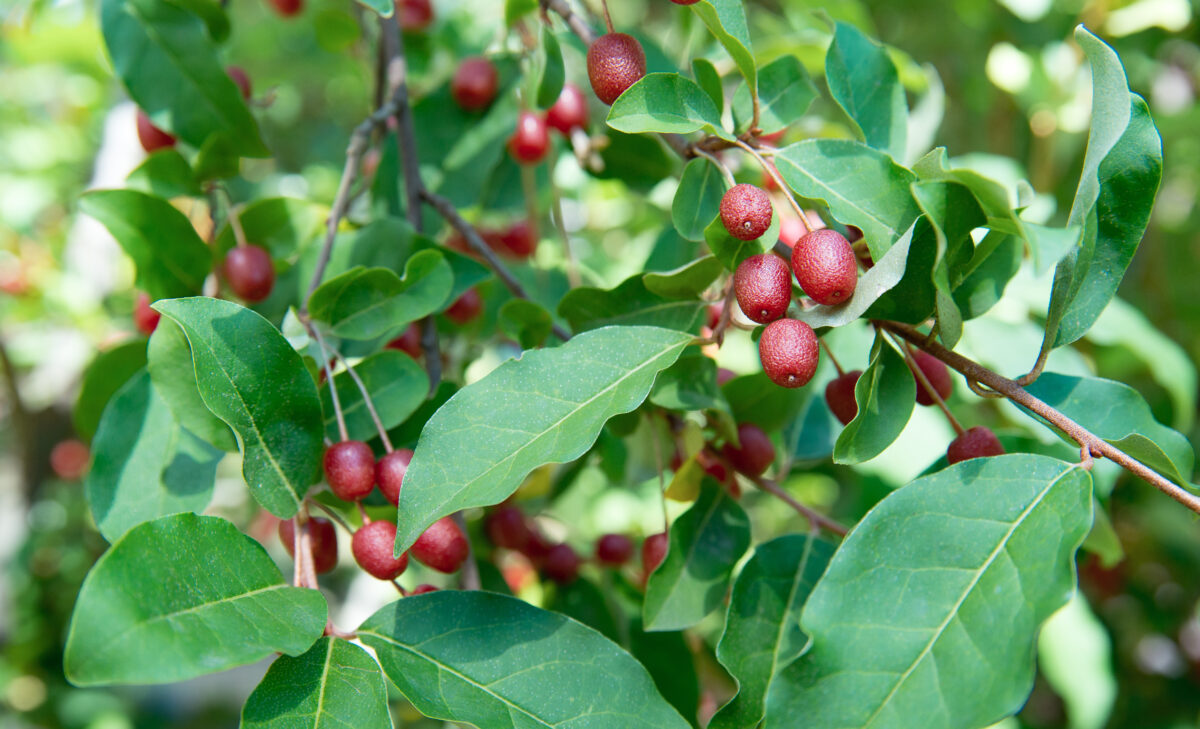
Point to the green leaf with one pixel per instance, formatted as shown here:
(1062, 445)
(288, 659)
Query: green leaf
(665, 103)
(629, 303)
(997, 259)
(397, 385)
(762, 628)
(171, 259)
(726, 20)
(168, 63)
(335, 683)
(144, 464)
(861, 186)
(101, 380)
(755, 399)
(526, 322)
(583, 601)
(184, 596)
(709, 79)
(282, 225)
(732, 251)
(365, 303)
(1120, 416)
(688, 281)
(169, 362)
(495, 661)
(705, 543)
(250, 377)
(697, 200)
(384, 8)
(863, 81)
(638, 161)
(546, 407)
(784, 94)
(165, 174)
(953, 212)
(1075, 656)
(671, 664)
(550, 83)
(931, 606)
(212, 13)
(689, 384)
(514, 10)
(886, 393)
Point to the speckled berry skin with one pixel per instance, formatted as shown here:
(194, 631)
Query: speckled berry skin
(372, 546)
(389, 473)
(754, 453)
(825, 266)
(321, 535)
(763, 285)
(839, 395)
(442, 546)
(350, 469)
(976, 442)
(614, 550)
(654, 551)
(938, 375)
(789, 352)
(746, 211)
(474, 84)
(615, 61)
(249, 272)
(561, 564)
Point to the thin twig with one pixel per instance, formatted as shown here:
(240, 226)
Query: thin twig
(366, 395)
(577, 24)
(721, 166)
(836, 365)
(815, 518)
(774, 173)
(315, 333)
(718, 335)
(337, 518)
(923, 381)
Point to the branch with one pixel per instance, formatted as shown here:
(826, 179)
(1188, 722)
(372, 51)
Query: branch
(578, 25)
(815, 518)
(1076, 432)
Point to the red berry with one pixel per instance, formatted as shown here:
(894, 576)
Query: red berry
(506, 527)
(755, 452)
(569, 111)
(938, 375)
(421, 590)
(250, 272)
(561, 564)
(151, 137)
(442, 546)
(288, 8)
(242, 79)
(474, 84)
(537, 547)
(615, 61)
(791, 230)
(350, 469)
(724, 375)
(825, 266)
(685, 2)
(69, 459)
(531, 140)
(712, 465)
(414, 15)
(372, 546)
(409, 342)
(145, 318)
(789, 352)
(654, 550)
(518, 241)
(467, 307)
(763, 285)
(323, 537)
(773, 137)
(389, 473)
(614, 549)
(976, 442)
(714, 315)
(746, 211)
(839, 395)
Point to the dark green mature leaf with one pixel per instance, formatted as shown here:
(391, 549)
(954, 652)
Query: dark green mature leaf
(546, 407)
(583, 601)
(144, 464)
(931, 606)
(863, 81)
(526, 322)
(397, 385)
(698, 198)
(1119, 415)
(169, 362)
(550, 83)
(671, 664)
(250, 377)
(639, 161)
(165, 174)
(687, 281)
(665, 103)
(755, 399)
(762, 628)
(495, 661)
(862, 186)
(726, 20)
(689, 384)
(335, 683)
(282, 225)
(101, 380)
(365, 303)
(171, 259)
(784, 94)
(212, 12)
(997, 259)
(885, 394)
(166, 60)
(184, 596)
(705, 543)
(709, 79)
(629, 303)
(953, 212)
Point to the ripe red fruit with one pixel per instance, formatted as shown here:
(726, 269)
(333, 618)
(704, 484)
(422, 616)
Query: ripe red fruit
(518, 241)
(569, 111)
(976, 442)
(288, 8)
(323, 537)
(409, 342)
(350, 469)
(938, 375)
(421, 590)
(389, 473)
(763, 285)
(531, 140)
(654, 550)
(746, 211)
(537, 547)
(755, 452)
(474, 84)
(69, 459)
(825, 266)
(791, 230)
(839, 395)
(145, 318)
(151, 137)
(561, 564)
(615, 61)
(789, 352)
(442, 546)
(372, 546)
(414, 15)
(249, 271)
(506, 527)
(614, 549)
(467, 307)
(242, 79)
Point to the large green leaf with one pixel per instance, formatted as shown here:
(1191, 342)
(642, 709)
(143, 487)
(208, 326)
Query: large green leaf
(629, 303)
(144, 464)
(171, 259)
(688, 281)
(169, 362)
(669, 659)
(365, 303)
(755, 399)
(166, 60)
(762, 628)
(726, 20)
(101, 380)
(165, 174)
(546, 407)
(953, 212)
(931, 606)
(250, 377)
(183, 596)
(397, 385)
(864, 82)
(698, 198)
(784, 93)
(497, 662)
(885, 393)
(335, 683)
(689, 384)
(705, 543)
(665, 103)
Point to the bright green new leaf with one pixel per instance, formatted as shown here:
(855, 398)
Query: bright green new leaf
(784, 94)
(1075, 655)
(863, 81)
(365, 303)
(397, 385)
(629, 303)
(665, 103)
(697, 200)
(885, 394)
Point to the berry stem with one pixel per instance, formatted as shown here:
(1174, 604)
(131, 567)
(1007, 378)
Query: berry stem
(719, 165)
(362, 388)
(815, 518)
(836, 365)
(315, 333)
(235, 221)
(468, 578)
(927, 385)
(573, 277)
(774, 173)
(718, 335)
(336, 517)
(607, 18)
